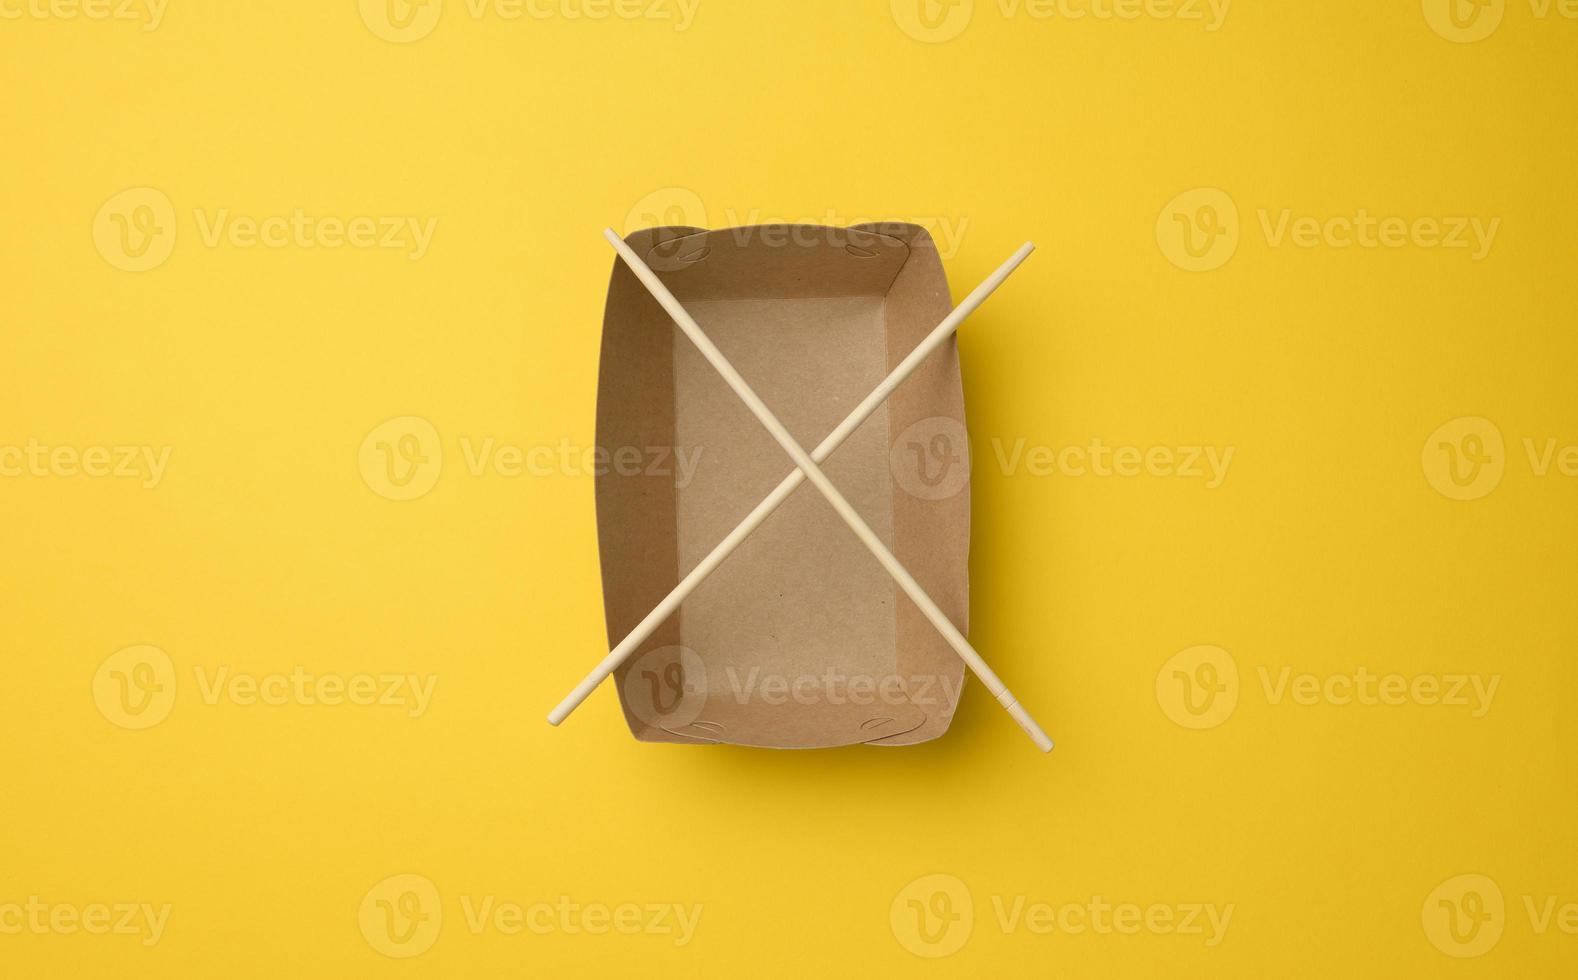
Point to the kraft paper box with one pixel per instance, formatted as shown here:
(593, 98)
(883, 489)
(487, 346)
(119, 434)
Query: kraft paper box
(800, 639)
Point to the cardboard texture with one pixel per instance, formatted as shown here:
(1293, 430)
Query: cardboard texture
(800, 639)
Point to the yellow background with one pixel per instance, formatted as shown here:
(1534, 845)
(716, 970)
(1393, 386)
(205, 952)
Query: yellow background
(1325, 550)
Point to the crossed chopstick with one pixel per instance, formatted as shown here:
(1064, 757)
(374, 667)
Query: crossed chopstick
(808, 468)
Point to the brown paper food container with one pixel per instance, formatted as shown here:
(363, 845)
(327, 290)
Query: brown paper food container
(800, 639)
